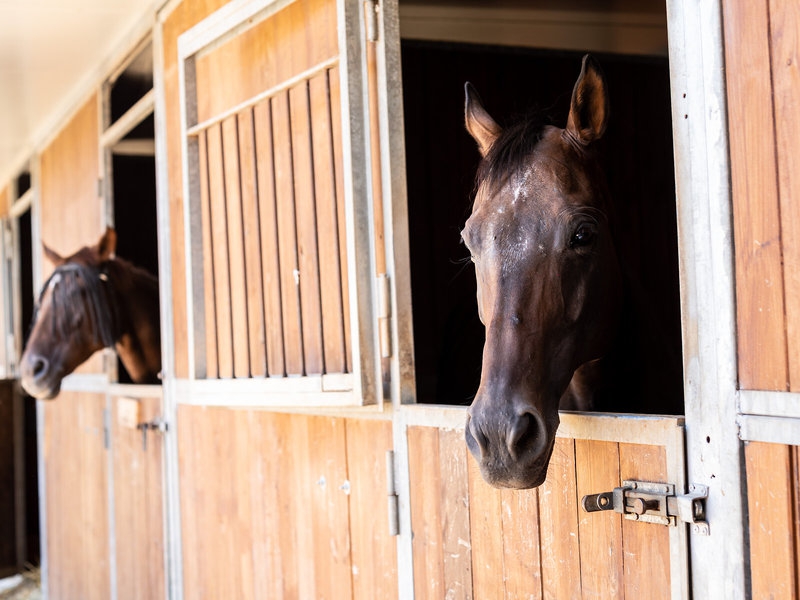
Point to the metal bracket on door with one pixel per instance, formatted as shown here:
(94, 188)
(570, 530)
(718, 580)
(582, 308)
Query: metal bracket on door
(654, 503)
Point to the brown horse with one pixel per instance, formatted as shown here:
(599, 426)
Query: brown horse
(93, 300)
(550, 285)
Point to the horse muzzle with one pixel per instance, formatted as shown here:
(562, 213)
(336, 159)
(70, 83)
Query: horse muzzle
(512, 448)
(38, 377)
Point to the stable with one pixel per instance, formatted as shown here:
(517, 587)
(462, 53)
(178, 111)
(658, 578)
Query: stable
(296, 172)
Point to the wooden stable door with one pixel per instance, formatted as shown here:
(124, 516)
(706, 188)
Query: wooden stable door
(469, 540)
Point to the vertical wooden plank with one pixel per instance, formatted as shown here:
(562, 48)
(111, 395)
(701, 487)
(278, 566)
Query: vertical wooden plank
(486, 535)
(759, 277)
(597, 468)
(426, 516)
(784, 25)
(9, 560)
(287, 235)
(769, 500)
(336, 130)
(219, 251)
(76, 480)
(236, 252)
(374, 551)
(558, 524)
(327, 226)
(646, 547)
(307, 251)
(522, 572)
(212, 368)
(331, 507)
(138, 508)
(252, 246)
(270, 248)
(454, 485)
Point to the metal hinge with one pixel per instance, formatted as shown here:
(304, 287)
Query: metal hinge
(391, 495)
(371, 8)
(384, 315)
(654, 503)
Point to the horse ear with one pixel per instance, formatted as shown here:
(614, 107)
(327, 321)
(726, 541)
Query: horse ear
(54, 257)
(107, 245)
(481, 126)
(588, 111)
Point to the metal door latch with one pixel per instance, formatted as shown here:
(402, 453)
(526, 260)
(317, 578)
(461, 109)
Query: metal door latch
(654, 503)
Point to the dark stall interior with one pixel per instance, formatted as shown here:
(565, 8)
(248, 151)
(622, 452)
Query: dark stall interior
(133, 174)
(441, 164)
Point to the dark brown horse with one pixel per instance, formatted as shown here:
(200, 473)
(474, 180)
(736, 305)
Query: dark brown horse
(551, 290)
(92, 300)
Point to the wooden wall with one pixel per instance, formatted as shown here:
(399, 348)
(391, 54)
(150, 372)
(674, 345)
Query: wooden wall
(773, 497)
(284, 506)
(474, 541)
(762, 55)
(9, 561)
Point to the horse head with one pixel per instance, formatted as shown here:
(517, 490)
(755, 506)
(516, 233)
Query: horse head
(74, 318)
(548, 278)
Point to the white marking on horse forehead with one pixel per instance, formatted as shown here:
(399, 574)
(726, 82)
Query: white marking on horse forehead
(520, 184)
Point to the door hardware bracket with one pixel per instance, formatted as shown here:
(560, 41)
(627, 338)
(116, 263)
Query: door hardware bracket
(657, 503)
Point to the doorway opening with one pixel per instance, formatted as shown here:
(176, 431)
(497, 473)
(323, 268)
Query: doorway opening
(441, 162)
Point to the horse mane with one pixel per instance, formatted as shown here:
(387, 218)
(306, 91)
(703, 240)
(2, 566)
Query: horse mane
(509, 152)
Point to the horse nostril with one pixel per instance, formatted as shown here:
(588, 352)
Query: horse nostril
(476, 440)
(525, 436)
(39, 367)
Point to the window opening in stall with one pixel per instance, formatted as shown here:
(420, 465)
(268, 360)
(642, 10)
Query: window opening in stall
(129, 138)
(441, 163)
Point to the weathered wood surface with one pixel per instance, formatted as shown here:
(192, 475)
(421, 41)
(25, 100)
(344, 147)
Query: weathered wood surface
(773, 498)
(474, 541)
(763, 95)
(138, 501)
(284, 506)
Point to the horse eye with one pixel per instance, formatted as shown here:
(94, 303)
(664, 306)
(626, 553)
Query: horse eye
(584, 236)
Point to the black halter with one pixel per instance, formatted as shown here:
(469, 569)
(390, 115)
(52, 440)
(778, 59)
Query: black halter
(67, 282)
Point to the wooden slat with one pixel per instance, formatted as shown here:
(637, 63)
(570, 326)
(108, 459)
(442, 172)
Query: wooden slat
(138, 508)
(307, 251)
(645, 547)
(219, 252)
(454, 493)
(522, 572)
(773, 557)
(287, 236)
(212, 367)
(374, 551)
(784, 24)
(327, 202)
(329, 508)
(426, 517)
(270, 249)
(336, 130)
(252, 246)
(558, 521)
(236, 252)
(486, 535)
(759, 277)
(9, 561)
(597, 466)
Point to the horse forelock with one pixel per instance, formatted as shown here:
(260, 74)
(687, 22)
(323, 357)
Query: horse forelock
(509, 153)
(64, 285)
